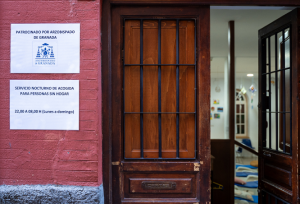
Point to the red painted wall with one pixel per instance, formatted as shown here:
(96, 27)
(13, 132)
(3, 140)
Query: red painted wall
(54, 157)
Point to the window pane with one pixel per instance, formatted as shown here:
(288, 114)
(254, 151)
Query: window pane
(273, 92)
(267, 133)
(284, 49)
(168, 138)
(150, 137)
(267, 55)
(237, 108)
(287, 96)
(287, 48)
(186, 89)
(242, 109)
(150, 42)
(284, 131)
(168, 42)
(187, 42)
(186, 135)
(242, 129)
(168, 89)
(237, 119)
(150, 89)
(132, 88)
(272, 50)
(132, 136)
(242, 119)
(132, 42)
(279, 91)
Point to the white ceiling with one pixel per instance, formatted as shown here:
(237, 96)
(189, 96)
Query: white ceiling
(248, 20)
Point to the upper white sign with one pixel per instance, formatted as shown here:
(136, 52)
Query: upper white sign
(45, 48)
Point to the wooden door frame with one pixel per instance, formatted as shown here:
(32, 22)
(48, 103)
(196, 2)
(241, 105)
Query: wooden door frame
(106, 78)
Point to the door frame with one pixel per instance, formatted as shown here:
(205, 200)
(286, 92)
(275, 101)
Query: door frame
(106, 70)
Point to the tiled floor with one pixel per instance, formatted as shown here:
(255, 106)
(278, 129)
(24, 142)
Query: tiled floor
(253, 191)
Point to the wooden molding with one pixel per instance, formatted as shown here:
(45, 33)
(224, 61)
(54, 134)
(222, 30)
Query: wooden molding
(212, 2)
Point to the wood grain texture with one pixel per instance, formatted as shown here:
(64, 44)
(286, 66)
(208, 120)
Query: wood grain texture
(174, 166)
(185, 185)
(132, 88)
(106, 103)
(221, 152)
(278, 175)
(182, 167)
(203, 103)
(168, 88)
(295, 102)
(231, 62)
(157, 185)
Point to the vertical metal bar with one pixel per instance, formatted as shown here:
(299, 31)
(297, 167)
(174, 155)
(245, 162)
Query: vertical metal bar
(124, 87)
(276, 201)
(195, 85)
(269, 198)
(263, 92)
(270, 117)
(159, 90)
(291, 87)
(276, 88)
(177, 88)
(141, 89)
(283, 89)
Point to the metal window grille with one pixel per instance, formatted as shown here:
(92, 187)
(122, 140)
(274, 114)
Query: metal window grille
(270, 113)
(160, 66)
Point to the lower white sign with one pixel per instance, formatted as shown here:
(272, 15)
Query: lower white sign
(44, 104)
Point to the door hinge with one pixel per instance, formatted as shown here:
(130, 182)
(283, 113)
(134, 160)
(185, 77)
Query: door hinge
(116, 163)
(196, 167)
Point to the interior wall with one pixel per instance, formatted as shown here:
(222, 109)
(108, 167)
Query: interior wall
(219, 127)
(252, 110)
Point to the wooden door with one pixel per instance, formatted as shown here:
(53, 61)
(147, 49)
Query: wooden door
(279, 63)
(160, 89)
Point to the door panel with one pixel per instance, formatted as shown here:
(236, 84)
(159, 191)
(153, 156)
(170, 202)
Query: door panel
(278, 113)
(160, 138)
(272, 199)
(160, 185)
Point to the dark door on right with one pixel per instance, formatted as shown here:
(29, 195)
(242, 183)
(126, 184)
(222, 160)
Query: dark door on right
(279, 83)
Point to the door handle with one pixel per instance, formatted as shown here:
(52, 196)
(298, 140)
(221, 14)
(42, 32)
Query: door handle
(266, 154)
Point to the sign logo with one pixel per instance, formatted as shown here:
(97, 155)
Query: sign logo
(45, 55)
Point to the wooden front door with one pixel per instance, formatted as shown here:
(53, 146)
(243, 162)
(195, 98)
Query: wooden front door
(279, 63)
(160, 89)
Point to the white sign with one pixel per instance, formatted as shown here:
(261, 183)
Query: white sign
(45, 48)
(44, 104)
